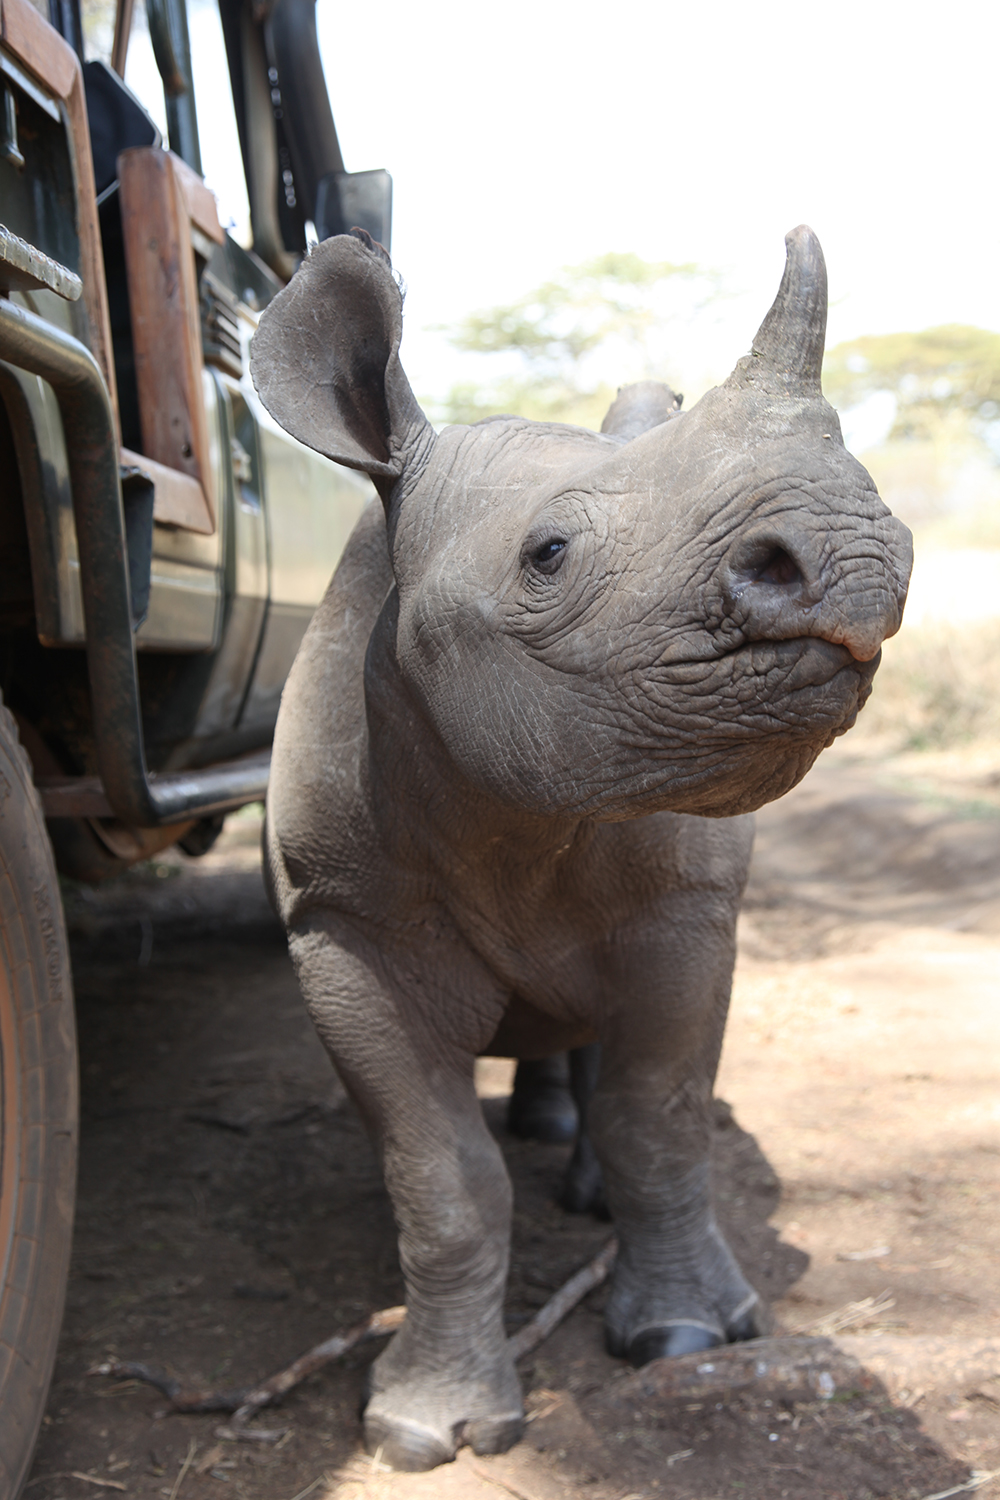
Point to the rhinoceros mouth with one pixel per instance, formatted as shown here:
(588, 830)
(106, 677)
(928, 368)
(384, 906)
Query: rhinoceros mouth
(760, 673)
(811, 686)
(806, 661)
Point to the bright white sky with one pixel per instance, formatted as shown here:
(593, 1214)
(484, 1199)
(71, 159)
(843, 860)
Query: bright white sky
(527, 135)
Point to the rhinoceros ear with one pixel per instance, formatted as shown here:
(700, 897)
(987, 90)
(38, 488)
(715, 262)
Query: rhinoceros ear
(325, 361)
(786, 358)
(638, 408)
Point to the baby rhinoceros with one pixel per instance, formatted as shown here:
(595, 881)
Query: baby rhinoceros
(553, 674)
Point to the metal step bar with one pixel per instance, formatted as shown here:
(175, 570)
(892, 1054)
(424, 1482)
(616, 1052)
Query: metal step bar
(131, 794)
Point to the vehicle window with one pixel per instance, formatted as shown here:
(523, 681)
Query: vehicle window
(220, 145)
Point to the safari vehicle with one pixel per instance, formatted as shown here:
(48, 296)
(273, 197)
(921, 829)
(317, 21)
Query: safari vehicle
(162, 542)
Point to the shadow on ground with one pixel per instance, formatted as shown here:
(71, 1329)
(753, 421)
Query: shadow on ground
(231, 1215)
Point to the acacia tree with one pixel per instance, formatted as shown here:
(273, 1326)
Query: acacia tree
(923, 409)
(945, 381)
(557, 349)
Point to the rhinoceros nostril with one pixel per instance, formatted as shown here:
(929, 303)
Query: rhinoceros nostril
(767, 559)
(777, 567)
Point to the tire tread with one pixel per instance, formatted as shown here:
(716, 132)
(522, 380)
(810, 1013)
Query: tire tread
(34, 1261)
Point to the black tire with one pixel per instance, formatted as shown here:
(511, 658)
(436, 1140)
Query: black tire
(38, 1112)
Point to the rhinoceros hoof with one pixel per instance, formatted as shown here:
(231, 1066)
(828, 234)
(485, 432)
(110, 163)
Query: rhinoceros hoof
(410, 1446)
(670, 1339)
(406, 1446)
(665, 1341)
(493, 1434)
(750, 1323)
(670, 1342)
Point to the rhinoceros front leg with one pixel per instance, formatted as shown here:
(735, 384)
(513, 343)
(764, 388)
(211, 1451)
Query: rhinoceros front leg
(447, 1377)
(677, 1287)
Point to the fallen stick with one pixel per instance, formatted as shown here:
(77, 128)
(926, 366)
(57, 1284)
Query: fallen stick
(562, 1302)
(185, 1466)
(253, 1397)
(104, 1484)
(179, 1398)
(978, 1479)
(814, 1367)
(246, 1401)
(386, 1321)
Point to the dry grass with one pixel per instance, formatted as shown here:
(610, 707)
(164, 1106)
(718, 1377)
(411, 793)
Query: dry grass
(938, 686)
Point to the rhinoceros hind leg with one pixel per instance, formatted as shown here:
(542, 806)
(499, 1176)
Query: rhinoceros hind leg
(541, 1107)
(583, 1185)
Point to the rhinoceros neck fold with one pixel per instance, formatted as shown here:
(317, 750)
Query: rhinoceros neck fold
(423, 799)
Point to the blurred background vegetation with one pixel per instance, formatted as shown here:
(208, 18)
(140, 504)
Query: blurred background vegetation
(924, 409)
(920, 409)
(559, 352)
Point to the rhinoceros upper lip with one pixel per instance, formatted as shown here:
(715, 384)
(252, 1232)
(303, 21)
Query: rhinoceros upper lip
(802, 664)
(798, 664)
(811, 660)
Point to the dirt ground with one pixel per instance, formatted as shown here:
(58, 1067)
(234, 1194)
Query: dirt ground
(230, 1214)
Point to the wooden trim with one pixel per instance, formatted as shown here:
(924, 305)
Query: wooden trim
(178, 500)
(166, 320)
(161, 197)
(199, 200)
(95, 290)
(43, 52)
(39, 46)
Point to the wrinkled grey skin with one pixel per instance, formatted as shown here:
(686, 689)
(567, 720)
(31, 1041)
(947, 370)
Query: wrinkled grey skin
(511, 779)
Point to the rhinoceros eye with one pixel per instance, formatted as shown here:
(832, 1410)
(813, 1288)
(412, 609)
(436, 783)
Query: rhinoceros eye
(549, 555)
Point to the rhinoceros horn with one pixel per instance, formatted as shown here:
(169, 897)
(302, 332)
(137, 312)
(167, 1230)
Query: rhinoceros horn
(787, 353)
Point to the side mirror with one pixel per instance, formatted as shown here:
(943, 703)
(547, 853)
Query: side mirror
(355, 200)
